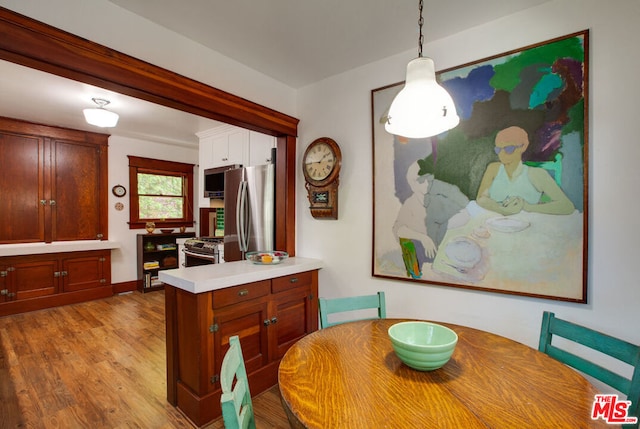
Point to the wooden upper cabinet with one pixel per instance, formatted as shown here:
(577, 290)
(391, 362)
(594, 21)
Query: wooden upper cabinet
(21, 187)
(53, 182)
(77, 213)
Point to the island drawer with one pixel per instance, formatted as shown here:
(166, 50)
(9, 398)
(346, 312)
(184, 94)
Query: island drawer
(240, 293)
(281, 284)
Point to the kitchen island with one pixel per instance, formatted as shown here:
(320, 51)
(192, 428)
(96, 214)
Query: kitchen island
(269, 307)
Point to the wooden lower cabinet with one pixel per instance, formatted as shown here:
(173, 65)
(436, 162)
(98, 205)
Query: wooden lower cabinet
(34, 282)
(269, 316)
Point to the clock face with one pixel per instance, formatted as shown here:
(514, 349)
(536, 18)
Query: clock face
(319, 161)
(119, 191)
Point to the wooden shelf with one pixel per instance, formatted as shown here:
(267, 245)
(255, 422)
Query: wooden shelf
(166, 258)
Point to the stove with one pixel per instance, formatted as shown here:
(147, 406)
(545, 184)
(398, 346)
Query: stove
(203, 250)
(204, 245)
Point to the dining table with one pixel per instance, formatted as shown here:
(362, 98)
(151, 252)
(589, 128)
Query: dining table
(348, 376)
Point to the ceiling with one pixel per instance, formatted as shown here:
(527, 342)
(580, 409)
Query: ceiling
(297, 42)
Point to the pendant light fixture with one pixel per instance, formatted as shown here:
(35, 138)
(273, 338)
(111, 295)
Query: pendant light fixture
(99, 116)
(422, 108)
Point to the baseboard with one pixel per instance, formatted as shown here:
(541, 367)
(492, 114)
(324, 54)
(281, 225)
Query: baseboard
(129, 286)
(56, 300)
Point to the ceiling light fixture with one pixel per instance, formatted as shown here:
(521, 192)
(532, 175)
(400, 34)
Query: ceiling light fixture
(99, 116)
(422, 108)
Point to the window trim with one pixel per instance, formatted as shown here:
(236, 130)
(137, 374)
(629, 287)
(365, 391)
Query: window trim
(159, 166)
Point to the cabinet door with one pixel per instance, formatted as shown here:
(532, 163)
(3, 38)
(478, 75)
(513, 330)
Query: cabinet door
(229, 148)
(33, 277)
(5, 293)
(85, 271)
(22, 188)
(248, 320)
(77, 212)
(260, 146)
(292, 319)
(237, 148)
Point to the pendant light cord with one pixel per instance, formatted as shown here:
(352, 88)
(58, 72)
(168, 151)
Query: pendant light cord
(420, 22)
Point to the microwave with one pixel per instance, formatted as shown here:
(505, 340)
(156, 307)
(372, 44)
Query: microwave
(214, 181)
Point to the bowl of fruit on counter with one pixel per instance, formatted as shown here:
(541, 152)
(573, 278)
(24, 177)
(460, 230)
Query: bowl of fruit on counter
(269, 257)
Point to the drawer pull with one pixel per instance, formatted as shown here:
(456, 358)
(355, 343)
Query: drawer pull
(266, 322)
(243, 292)
(293, 280)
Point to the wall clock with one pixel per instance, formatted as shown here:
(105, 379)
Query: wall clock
(321, 167)
(119, 191)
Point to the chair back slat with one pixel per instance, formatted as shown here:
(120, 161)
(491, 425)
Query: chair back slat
(348, 304)
(604, 343)
(237, 408)
(605, 375)
(622, 350)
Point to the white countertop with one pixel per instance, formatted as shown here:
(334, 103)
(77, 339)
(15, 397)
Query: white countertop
(205, 278)
(55, 247)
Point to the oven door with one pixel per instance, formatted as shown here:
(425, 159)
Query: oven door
(192, 259)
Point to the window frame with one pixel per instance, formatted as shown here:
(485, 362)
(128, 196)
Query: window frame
(161, 167)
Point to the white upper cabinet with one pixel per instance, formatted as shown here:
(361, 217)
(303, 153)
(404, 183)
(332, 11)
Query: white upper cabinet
(228, 145)
(260, 146)
(222, 146)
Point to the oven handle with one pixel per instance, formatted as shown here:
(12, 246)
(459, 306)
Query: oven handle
(199, 255)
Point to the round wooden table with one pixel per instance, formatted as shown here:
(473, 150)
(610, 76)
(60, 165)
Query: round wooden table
(348, 376)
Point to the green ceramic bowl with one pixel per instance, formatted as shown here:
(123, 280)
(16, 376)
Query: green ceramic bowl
(423, 346)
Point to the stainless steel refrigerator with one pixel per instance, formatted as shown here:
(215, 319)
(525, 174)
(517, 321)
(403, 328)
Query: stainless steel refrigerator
(249, 208)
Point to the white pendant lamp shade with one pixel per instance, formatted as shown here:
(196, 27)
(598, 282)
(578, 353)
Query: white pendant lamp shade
(422, 108)
(99, 116)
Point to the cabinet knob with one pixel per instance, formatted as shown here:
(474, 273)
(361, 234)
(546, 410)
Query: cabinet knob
(243, 292)
(52, 202)
(274, 320)
(43, 202)
(266, 322)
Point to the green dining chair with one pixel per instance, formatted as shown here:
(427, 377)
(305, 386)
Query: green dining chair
(618, 349)
(352, 303)
(237, 408)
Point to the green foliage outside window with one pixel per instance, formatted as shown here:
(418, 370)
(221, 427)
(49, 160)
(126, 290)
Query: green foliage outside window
(160, 196)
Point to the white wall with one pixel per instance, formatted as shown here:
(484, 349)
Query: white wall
(124, 259)
(339, 108)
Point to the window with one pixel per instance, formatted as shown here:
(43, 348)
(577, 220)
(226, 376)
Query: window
(161, 192)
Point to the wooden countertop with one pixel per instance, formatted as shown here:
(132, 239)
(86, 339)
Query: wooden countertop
(205, 278)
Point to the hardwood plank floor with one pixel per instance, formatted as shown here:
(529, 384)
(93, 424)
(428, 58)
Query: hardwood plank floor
(98, 364)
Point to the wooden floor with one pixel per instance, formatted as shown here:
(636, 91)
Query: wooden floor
(99, 364)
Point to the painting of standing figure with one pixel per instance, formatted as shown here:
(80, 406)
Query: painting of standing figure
(498, 203)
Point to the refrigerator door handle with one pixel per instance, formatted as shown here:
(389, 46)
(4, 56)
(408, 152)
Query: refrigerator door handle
(241, 217)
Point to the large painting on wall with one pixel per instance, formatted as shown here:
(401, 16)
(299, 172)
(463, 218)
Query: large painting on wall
(498, 203)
